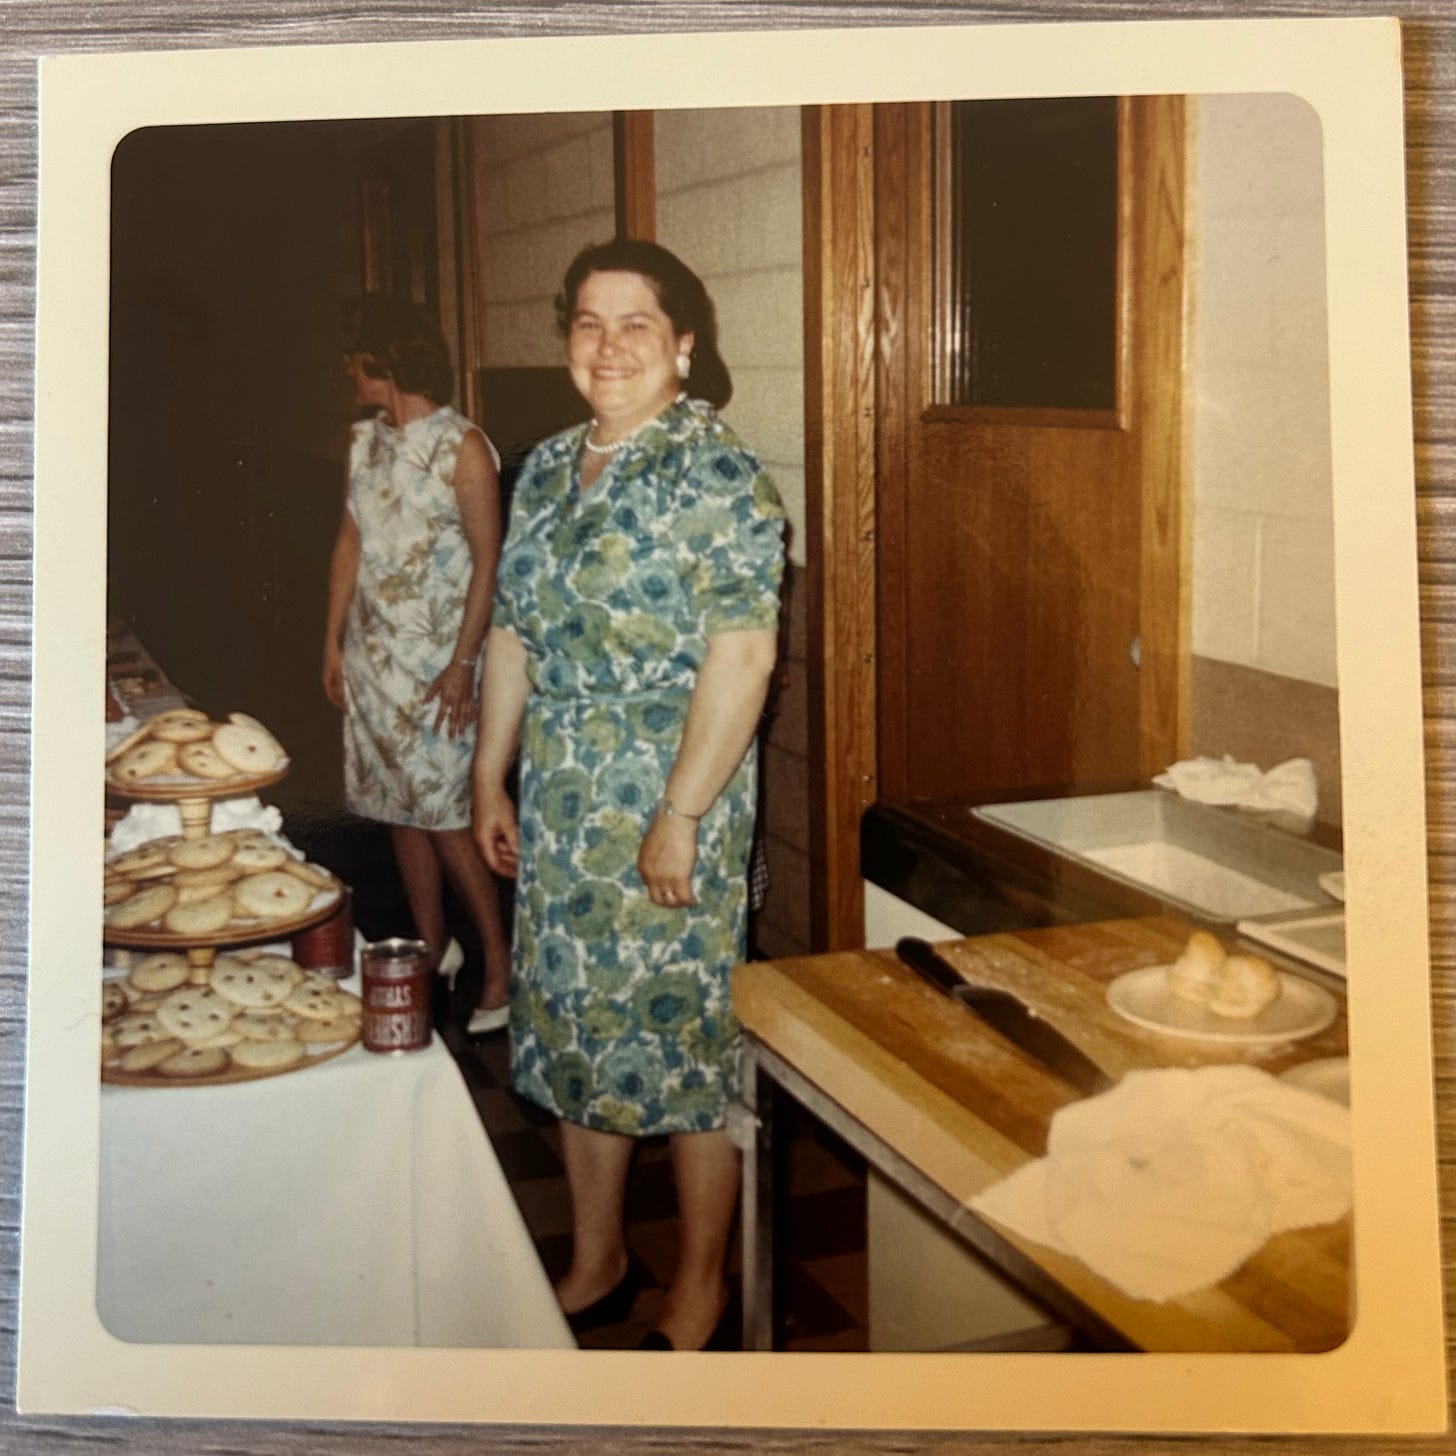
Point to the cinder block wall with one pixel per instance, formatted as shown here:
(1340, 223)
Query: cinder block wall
(545, 190)
(729, 202)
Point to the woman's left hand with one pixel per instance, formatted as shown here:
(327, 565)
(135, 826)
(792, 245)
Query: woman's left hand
(454, 690)
(665, 861)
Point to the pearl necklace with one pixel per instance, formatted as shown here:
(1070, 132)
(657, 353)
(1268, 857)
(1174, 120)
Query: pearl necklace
(616, 445)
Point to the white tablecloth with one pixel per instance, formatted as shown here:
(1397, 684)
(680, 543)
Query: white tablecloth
(355, 1203)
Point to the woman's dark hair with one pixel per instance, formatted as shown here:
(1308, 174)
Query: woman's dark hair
(403, 342)
(680, 294)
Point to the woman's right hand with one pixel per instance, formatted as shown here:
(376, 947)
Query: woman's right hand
(493, 823)
(333, 674)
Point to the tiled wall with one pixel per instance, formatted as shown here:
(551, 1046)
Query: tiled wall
(545, 191)
(1258, 399)
(1263, 523)
(729, 202)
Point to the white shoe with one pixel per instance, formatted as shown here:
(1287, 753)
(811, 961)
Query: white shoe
(483, 1021)
(451, 962)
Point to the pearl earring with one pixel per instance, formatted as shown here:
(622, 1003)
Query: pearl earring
(684, 365)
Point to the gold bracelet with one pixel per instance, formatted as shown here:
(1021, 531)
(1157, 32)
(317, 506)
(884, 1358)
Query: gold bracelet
(669, 810)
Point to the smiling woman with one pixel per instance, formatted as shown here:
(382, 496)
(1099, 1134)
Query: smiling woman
(632, 660)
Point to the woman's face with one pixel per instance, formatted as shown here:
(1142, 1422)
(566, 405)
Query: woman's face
(367, 389)
(622, 350)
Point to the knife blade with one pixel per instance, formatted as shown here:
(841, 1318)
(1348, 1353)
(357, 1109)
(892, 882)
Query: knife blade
(1006, 1014)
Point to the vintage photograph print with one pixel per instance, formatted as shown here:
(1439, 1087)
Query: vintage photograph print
(737, 716)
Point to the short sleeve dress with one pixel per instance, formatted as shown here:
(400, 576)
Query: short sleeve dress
(620, 1014)
(403, 624)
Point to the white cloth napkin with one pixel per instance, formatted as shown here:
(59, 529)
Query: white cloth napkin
(1288, 788)
(121, 729)
(144, 821)
(1171, 1180)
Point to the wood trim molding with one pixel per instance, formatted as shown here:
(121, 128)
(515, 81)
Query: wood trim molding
(470, 342)
(1158, 167)
(635, 174)
(839, 489)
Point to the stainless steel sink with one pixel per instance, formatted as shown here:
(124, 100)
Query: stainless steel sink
(1215, 863)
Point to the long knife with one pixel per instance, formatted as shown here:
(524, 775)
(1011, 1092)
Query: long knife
(1003, 1012)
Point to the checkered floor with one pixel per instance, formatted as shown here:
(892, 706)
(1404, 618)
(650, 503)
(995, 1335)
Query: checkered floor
(823, 1230)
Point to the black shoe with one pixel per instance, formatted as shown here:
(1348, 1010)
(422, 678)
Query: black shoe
(727, 1333)
(614, 1306)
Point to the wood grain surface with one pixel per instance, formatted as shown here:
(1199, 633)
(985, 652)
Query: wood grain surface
(29, 29)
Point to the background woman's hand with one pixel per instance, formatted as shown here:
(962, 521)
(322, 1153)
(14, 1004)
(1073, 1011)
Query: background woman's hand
(454, 692)
(333, 674)
(493, 823)
(666, 859)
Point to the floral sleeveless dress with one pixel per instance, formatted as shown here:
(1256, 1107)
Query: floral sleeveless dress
(404, 622)
(620, 1014)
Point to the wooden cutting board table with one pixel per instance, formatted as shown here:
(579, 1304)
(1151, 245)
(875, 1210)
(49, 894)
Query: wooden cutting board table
(962, 1108)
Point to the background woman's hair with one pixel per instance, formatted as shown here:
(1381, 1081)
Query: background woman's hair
(680, 294)
(404, 343)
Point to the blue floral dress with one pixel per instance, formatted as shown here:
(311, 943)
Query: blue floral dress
(620, 1014)
(403, 625)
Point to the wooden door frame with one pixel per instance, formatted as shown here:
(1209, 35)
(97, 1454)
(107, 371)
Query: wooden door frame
(843, 421)
(839, 499)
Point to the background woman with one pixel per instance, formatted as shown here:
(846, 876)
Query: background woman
(410, 585)
(631, 652)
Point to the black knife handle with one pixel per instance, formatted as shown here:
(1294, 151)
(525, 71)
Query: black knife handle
(922, 959)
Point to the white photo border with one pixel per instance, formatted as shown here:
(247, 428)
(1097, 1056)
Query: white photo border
(1390, 1375)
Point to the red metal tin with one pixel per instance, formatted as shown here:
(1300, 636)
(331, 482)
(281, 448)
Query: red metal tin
(329, 946)
(396, 994)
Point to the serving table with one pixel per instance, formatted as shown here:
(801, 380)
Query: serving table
(354, 1203)
(943, 1108)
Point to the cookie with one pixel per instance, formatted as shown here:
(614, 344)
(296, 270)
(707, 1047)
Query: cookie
(144, 856)
(250, 750)
(163, 970)
(318, 1002)
(163, 871)
(272, 895)
(115, 891)
(195, 1061)
(203, 761)
(209, 879)
(199, 917)
(252, 1026)
(177, 715)
(137, 1028)
(324, 1033)
(150, 759)
(201, 854)
(195, 1013)
(251, 983)
(280, 965)
(269, 1054)
(228, 1037)
(182, 730)
(143, 1058)
(312, 875)
(113, 1000)
(252, 856)
(146, 905)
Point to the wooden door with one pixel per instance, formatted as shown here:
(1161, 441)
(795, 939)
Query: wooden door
(1030, 628)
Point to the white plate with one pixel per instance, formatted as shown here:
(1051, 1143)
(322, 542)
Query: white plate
(1143, 997)
(1329, 1076)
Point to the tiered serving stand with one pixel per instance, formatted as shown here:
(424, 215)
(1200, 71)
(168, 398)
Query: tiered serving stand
(194, 799)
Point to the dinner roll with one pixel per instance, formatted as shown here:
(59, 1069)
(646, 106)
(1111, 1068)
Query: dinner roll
(1246, 984)
(1193, 974)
